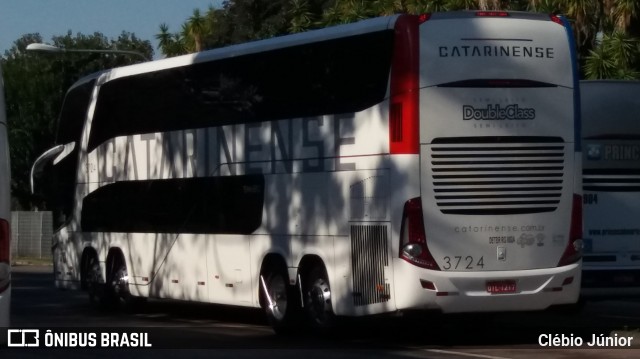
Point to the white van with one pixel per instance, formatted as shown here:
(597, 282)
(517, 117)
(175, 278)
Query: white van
(5, 232)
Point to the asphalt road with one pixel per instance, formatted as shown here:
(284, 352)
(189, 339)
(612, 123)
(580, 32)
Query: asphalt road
(204, 330)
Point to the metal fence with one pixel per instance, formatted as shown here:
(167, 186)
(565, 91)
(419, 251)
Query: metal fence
(31, 234)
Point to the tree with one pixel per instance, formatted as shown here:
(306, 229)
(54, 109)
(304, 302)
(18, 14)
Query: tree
(195, 29)
(35, 84)
(615, 57)
(301, 16)
(170, 44)
(245, 20)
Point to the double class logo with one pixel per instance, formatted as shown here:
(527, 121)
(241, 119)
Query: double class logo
(496, 112)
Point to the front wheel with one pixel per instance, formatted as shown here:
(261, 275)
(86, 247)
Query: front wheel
(318, 305)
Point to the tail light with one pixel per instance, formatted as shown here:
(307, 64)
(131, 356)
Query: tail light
(413, 240)
(5, 242)
(5, 251)
(404, 87)
(492, 13)
(573, 252)
(557, 19)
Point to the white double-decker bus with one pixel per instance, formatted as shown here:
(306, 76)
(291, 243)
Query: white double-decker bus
(397, 163)
(611, 167)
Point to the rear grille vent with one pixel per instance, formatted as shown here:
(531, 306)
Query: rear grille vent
(611, 180)
(369, 256)
(497, 175)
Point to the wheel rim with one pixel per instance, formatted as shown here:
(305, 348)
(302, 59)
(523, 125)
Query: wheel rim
(320, 300)
(120, 282)
(278, 294)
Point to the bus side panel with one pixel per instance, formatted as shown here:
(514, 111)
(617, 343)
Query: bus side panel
(182, 273)
(354, 206)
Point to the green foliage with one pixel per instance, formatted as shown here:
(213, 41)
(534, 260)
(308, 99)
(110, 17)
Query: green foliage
(35, 84)
(245, 20)
(615, 57)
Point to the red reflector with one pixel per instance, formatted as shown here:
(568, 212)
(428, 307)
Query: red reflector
(567, 281)
(427, 285)
(423, 17)
(556, 19)
(492, 13)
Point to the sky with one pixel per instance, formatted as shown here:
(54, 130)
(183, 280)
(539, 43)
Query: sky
(110, 17)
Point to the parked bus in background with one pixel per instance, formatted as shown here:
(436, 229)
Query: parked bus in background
(611, 167)
(5, 216)
(403, 162)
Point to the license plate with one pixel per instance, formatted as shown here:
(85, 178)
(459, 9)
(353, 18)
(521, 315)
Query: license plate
(501, 286)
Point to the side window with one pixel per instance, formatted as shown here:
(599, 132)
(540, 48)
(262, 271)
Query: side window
(64, 173)
(230, 205)
(74, 113)
(327, 77)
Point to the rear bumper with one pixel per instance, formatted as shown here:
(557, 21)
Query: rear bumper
(610, 283)
(5, 306)
(458, 292)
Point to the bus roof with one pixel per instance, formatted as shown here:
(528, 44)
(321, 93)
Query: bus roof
(333, 32)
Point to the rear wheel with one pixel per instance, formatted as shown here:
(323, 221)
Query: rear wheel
(318, 306)
(94, 282)
(117, 292)
(281, 306)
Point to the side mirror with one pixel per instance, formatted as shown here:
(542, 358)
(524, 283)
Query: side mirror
(41, 161)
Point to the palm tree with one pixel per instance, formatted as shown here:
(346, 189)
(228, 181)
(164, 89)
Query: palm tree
(545, 6)
(613, 57)
(386, 7)
(170, 44)
(164, 38)
(301, 16)
(196, 30)
(584, 13)
(624, 11)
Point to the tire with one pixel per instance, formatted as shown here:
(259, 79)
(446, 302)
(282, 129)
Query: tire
(117, 294)
(283, 314)
(318, 305)
(94, 282)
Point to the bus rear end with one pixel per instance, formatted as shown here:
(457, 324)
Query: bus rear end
(497, 223)
(611, 168)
